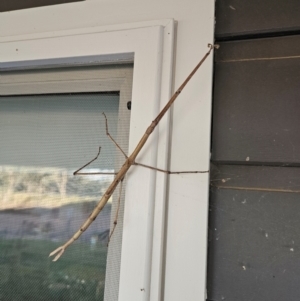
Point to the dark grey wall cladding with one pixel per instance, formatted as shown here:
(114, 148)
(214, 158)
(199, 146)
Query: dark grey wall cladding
(244, 17)
(254, 249)
(257, 102)
(254, 246)
(9, 5)
(254, 240)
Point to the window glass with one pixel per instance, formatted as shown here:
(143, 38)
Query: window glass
(44, 139)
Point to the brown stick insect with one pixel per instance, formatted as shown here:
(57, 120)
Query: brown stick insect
(130, 160)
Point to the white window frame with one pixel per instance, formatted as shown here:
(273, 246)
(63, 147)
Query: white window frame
(150, 46)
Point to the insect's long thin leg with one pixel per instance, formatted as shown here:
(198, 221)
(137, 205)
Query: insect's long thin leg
(167, 171)
(94, 173)
(77, 172)
(117, 213)
(85, 165)
(112, 139)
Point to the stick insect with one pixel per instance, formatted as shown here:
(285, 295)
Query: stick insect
(130, 161)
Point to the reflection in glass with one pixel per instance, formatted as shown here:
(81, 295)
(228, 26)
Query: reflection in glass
(43, 140)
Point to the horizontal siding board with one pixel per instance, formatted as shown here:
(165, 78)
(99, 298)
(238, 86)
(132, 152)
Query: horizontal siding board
(241, 17)
(267, 48)
(257, 104)
(254, 246)
(260, 178)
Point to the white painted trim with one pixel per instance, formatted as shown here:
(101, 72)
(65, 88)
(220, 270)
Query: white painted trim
(88, 30)
(162, 161)
(152, 45)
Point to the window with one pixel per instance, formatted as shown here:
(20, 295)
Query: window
(45, 138)
(150, 46)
